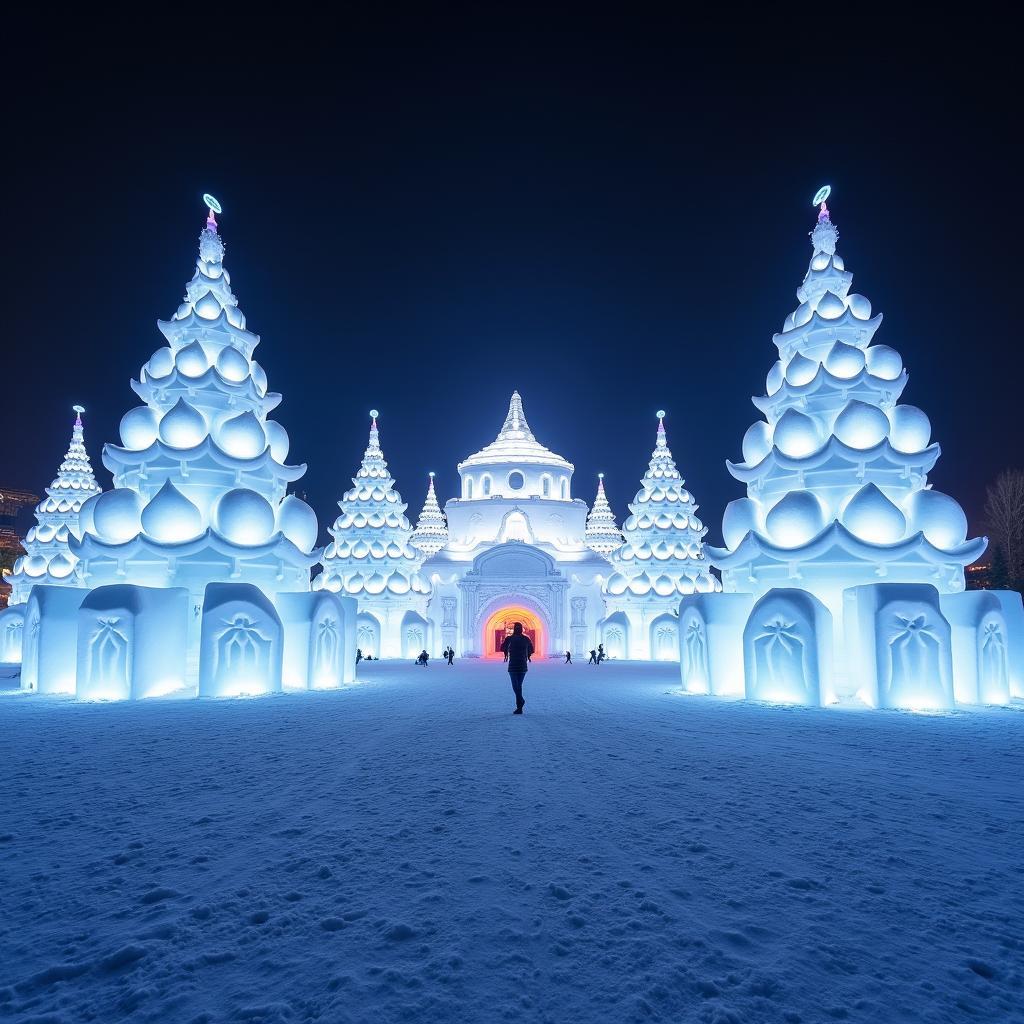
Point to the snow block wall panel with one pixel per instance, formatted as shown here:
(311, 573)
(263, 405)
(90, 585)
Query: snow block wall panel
(1013, 613)
(12, 632)
(711, 642)
(132, 642)
(899, 646)
(787, 649)
(242, 642)
(319, 640)
(51, 639)
(981, 650)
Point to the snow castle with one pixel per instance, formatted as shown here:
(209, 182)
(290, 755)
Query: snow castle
(843, 570)
(196, 564)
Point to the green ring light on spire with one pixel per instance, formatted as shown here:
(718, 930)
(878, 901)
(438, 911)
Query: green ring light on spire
(374, 414)
(78, 408)
(821, 195)
(212, 203)
(660, 414)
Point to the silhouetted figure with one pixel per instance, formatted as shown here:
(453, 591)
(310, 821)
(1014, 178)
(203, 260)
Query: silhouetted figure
(359, 655)
(593, 658)
(423, 659)
(568, 657)
(518, 649)
(600, 653)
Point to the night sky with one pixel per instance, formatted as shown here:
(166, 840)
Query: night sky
(425, 217)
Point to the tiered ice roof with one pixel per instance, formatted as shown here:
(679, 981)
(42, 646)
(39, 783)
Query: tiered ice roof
(371, 554)
(47, 558)
(602, 533)
(431, 533)
(200, 480)
(836, 473)
(515, 444)
(663, 552)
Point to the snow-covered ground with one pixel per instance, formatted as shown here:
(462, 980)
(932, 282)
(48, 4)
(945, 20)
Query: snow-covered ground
(407, 850)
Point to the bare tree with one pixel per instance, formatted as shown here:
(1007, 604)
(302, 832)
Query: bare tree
(1004, 520)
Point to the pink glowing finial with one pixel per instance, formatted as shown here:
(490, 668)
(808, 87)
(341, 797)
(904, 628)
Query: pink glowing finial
(213, 207)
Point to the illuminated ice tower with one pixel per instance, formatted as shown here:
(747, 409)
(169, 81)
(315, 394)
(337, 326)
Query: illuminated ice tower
(602, 533)
(855, 563)
(431, 533)
(372, 559)
(200, 479)
(660, 559)
(47, 559)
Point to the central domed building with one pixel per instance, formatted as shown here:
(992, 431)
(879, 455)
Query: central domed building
(516, 552)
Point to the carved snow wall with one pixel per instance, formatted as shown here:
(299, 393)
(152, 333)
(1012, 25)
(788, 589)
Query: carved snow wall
(319, 640)
(132, 642)
(49, 652)
(12, 632)
(710, 651)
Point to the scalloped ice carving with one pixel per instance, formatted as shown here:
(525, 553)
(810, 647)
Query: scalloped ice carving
(911, 429)
(192, 360)
(844, 360)
(801, 370)
(244, 517)
(831, 306)
(170, 517)
(796, 519)
(871, 517)
(938, 516)
(796, 434)
(182, 426)
(232, 365)
(139, 428)
(884, 362)
(242, 436)
(860, 425)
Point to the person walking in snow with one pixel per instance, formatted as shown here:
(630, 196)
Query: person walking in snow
(600, 653)
(568, 657)
(518, 649)
(450, 654)
(423, 659)
(359, 655)
(593, 658)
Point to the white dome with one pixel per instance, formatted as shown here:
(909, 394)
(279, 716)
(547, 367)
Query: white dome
(802, 314)
(139, 428)
(757, 442)
(86, 514)
(911, 429)
(399, 583)
(182, 426)
(741, 517)
(796, 434)
(616, 584)
(170, 517)
(117, 515)
(664, 586)
(160, 364)
(871, 517)
(831, 306)
(244, 517)
(938, 516)
(375, 583)
(297, 521)
(242, 436)
(192, 360)
(208, 307)
(62, 565)
(259, 377)
(801, 370)
(860, 425)
(796, 519)
(277, 436)
(775, 378)
(844, 360)
(860, 307)
(884, 362)
(232, 365)
(34, 566)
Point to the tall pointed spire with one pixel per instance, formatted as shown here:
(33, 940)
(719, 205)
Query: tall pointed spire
(431, 533)
(47, 558)
(602, 532)
(515, 422)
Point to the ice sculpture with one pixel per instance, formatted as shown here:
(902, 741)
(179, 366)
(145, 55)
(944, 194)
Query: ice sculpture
(837, 471)
(981, 647)
(431, 533)
(132, 642)
(710, 659)
(602, 532)
(319, 640)
(47, 558)
(371, 557)
(12, 631)
(787, 648)
(242, 642)
(49, 655)
(661, 558)
(200, 479)
(900, 646)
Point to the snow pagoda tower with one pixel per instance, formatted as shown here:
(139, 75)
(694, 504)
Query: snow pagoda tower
(661, 558)
(602, 533)
(372, 559)
(431, 533)
(841, 540)
(47, 558)
(197, 562)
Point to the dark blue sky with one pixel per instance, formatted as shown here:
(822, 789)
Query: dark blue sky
(427, 216)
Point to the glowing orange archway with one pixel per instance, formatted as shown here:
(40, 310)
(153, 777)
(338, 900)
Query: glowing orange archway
(500, 624)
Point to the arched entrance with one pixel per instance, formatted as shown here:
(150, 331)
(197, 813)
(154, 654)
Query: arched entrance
(499, 625)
